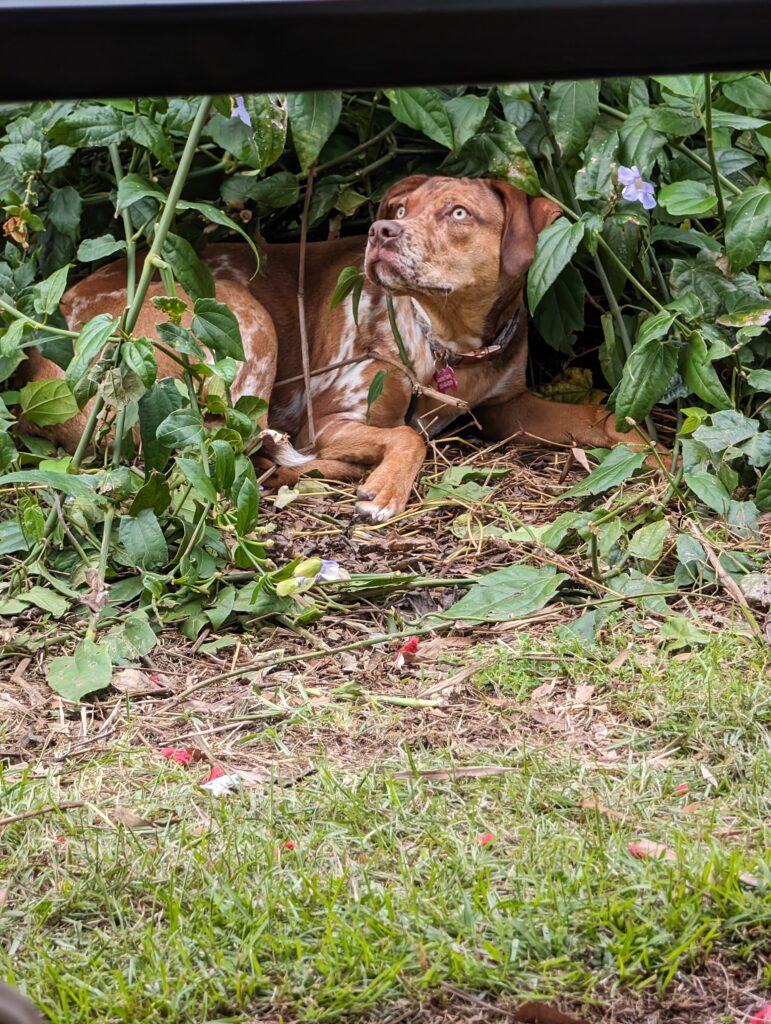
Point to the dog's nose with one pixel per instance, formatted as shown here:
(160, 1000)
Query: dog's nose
(384, 231)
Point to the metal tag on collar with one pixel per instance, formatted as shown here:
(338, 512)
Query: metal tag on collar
(445, 379)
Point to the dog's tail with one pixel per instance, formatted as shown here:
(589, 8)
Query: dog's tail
(279, 448)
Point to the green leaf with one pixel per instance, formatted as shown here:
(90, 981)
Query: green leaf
(91, 125)
(560, 314)
(687, 198)
(46, 599)
(752, 92)
(556, 247)
(143, 540)
(573, 111)
(640, 144)
(689, 86)
(187, 267)
(496, 153)
(647, 373)
(273, 193)
(726, 430)
(423, 110)
(48, 401)
(760, 380)
(708, 489)
(120, 386)
(699, 373)
(763, 492)
(87, 670)
(216, 327)
(223, 470)
(195, 474)
(74, 486)
(154, 408)
(509, 593)
(618, 465)
(681, 632)
(466, 116)
(130, 640)
(182, 428)
(150, 135)
(748, 226)
(46, 294)
(313, 116)
(64, 209)
(91, 249)
(216, 216)
(648, 542)
(349, 282)
(595, 179)
(154, 494)
(247, 507)
(88, 344)
(673, 121)
(139, 355)
(269, 116)
(375, 390)
(134, 187)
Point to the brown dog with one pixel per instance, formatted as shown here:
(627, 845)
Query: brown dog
(453, 254)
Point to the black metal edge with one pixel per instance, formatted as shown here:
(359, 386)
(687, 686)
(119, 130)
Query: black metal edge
(129, 49)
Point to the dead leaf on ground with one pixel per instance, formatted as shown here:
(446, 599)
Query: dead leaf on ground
(708, 776)
(621, 658)
(644, 848)
(136, 683)
(593, 804)
(125, 816)
(458, 679)
(544, 690)
(583, 694)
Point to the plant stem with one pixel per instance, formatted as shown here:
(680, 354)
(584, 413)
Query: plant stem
(361, 148)
(301, 309)
(711, 147)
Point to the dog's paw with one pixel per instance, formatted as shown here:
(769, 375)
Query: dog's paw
(375, 512)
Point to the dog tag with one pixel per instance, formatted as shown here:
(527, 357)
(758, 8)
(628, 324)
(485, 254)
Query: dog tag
(446, 380)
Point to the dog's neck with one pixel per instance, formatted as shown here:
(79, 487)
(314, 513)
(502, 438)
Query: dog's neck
(466, 331)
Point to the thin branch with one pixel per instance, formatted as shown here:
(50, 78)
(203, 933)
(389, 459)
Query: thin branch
(301, 308)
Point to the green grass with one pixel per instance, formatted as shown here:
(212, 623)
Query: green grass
(388, 892)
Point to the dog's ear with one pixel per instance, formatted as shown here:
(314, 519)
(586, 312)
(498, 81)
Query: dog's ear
(400, 190)
(524, 217)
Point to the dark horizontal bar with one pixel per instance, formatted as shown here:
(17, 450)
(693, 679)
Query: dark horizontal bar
(56, 49)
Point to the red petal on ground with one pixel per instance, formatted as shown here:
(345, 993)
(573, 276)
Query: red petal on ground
(762, 1016)
(410, 647)
(178, 754)
(215, 773)
(483, 840)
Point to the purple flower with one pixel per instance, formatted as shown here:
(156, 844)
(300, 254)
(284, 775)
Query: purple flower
(240, 111)
(635, 189)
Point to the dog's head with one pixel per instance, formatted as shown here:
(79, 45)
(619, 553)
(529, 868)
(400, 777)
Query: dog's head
(449, 236)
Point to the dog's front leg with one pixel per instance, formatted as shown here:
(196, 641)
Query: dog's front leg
(397, 453)
(529, 418)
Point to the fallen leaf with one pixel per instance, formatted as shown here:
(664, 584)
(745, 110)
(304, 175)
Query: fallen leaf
(583, 694)
(696, 805)
(125, 816)
(621, 658)
(644, 848)
(593, 804)
(708, 776)
(455, 681)
(543, 690)
(581, 458)
(136, 683)
(752, 881)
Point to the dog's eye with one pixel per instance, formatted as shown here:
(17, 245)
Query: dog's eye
(400, 213)
(459, 213)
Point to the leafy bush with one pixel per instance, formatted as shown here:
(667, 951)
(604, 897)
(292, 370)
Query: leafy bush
(675, 292)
